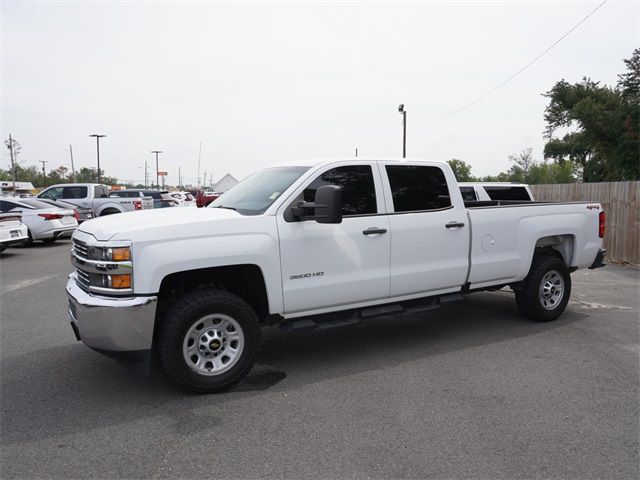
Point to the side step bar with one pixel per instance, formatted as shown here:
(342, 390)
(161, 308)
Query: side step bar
(352, 317)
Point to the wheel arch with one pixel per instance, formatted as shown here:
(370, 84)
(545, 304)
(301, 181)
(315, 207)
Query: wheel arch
(562, 246)
(109, 207)
(244, 280)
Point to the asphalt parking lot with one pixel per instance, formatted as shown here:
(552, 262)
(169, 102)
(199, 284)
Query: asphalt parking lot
(468, 391)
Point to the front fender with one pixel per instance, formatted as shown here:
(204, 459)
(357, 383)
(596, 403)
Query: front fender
(154, 261)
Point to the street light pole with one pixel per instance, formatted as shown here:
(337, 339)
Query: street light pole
(157, 176)
(404, 129)
(98, 137)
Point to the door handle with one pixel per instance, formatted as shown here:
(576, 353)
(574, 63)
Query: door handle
(374, 231)
(454, 225)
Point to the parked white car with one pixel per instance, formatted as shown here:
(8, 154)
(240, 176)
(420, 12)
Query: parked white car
(184, 199)
(12, 231)
(315, 244)
(490, 191)
(44, 222)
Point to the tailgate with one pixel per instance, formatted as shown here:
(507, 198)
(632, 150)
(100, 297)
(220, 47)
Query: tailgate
(147, 202)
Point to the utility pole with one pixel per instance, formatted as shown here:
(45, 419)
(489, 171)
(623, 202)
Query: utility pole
(145, 174)
(179, 179)
(13, 167)
(157, 176)
(98, 137)
(204, 184)
(199, 155)
(44, 173)
(73, 169)
(404, 129)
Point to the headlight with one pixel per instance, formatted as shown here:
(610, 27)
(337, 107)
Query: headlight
(113, 254)
(119, 254)
(104, 270)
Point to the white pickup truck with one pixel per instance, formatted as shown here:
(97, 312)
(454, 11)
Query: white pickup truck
(96, 197)
(312, 245)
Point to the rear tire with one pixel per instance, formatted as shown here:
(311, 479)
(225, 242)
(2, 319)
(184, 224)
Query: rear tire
(29, 241)
(109, 211)
(546, 289)
(207, 341)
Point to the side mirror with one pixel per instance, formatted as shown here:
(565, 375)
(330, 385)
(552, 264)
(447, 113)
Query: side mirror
(328, 204)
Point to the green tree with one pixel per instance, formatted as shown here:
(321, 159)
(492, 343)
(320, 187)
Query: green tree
(59, 175)
(605, 143)
(90, 175)
(462, 170)
(525, 169)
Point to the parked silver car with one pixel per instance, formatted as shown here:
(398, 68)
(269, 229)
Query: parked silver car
(81, 213)
(44, 222)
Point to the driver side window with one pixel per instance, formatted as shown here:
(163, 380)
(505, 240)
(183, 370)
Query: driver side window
(357, 185)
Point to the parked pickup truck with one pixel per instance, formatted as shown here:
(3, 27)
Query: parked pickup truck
(96, 197)
(312, 245)
(494, 191)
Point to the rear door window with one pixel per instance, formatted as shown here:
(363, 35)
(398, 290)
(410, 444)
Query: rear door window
(416, 188)
(74, 192)
(100, 192)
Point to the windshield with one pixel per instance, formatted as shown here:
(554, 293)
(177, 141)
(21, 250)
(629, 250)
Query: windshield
(257, 192)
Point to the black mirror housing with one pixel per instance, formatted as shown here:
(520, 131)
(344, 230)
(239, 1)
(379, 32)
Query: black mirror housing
(328, 204)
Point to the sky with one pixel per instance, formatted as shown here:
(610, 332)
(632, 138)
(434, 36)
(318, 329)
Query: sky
(264, 83)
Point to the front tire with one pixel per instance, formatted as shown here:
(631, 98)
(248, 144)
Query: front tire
(207, 341)
(546, 289)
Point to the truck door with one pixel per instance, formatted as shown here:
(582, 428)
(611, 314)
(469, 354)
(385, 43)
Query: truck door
(429, 230)
(328, 265)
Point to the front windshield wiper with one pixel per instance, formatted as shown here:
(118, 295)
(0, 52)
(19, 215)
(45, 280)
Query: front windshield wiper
(223, 206)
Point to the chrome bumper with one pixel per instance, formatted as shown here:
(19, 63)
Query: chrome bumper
(111, 324)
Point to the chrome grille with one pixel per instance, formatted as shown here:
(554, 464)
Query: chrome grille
(83, 279)
(81, 248)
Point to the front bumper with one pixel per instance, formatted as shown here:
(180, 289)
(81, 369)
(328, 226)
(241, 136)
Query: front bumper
(60, 232)
(121, 327)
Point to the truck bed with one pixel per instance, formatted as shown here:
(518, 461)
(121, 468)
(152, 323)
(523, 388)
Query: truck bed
(505, 234)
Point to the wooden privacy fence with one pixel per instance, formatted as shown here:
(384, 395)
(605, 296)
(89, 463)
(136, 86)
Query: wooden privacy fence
(620, 203)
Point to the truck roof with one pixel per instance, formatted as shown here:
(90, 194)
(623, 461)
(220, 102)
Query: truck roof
(78, 185)
(493, 184)
(314, 162)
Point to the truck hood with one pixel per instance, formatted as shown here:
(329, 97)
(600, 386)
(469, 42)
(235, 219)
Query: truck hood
(129, 225)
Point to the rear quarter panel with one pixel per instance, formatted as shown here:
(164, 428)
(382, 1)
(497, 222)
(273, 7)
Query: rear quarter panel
(504, 238)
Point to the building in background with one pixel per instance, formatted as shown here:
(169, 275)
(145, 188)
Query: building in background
(22, 188)
(225, 183)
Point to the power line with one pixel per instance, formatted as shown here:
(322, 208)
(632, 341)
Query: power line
(486, 94)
